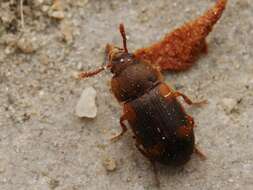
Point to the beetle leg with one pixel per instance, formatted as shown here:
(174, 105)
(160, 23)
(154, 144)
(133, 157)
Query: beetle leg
(191, 121)
(156, 174)
(188, 100)
(199, 153)
(144, 153)
(123, 127)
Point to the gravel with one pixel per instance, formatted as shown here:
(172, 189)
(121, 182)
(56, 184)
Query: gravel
(86, 105)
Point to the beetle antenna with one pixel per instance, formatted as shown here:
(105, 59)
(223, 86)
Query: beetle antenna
(123, 34)
(94, 72)
(106, 64)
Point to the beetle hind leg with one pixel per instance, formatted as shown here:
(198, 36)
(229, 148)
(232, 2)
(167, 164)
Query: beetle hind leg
(153, 163)
(199, 153)
(157, 180)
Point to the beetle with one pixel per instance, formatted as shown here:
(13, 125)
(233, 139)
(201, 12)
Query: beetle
(164, 132)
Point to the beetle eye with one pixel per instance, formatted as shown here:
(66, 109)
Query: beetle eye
(128, 59)
(121, 60)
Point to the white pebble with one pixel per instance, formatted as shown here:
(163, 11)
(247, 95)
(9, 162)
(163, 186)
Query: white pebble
(86, 106)
(110, 164)
(57, 15)
(28, 43)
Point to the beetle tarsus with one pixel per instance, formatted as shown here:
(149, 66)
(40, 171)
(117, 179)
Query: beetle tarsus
(157, 180)
(200, 154)
(117, 137)
(188, 100)
(123, 127)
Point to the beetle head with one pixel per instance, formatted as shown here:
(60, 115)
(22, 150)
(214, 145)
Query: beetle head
(119, 58)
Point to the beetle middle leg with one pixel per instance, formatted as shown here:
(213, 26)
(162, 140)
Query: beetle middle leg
(123, 127)
(190, 120)
(188, 100)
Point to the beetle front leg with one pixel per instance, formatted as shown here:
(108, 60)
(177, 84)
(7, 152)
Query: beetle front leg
(188, 100)
(123, 127)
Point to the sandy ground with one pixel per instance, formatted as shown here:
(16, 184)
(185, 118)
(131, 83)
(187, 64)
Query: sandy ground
(44, 146)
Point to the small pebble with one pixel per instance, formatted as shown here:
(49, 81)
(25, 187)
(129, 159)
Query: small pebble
(45, 8)
(75, 75)
(27, 44)
(86, 106)
(230, 180)
(56, 10)
(53, 183)
(67, 32)
(41, 93)
(250, 82)
(229, 104)
(57, 14)
(81, 3)
(44, 59)
(110, 164)
(57, 5)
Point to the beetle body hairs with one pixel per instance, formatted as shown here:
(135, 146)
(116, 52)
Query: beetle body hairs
(163, 131)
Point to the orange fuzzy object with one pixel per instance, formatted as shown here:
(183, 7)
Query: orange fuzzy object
(180, 48)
